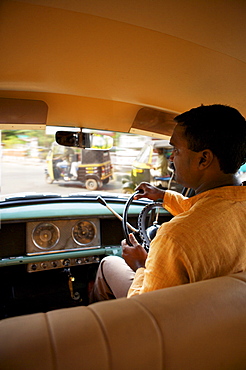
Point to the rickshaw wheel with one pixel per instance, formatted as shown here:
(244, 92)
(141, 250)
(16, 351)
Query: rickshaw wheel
(49, 179)
(91, 184)
(128, 191)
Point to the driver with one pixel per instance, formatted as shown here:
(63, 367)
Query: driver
(206, 238)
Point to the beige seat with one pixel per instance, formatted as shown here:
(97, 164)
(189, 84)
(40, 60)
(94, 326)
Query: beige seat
(196, 326)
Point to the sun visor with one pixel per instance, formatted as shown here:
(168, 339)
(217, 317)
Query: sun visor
(154, 123)
(31, 114)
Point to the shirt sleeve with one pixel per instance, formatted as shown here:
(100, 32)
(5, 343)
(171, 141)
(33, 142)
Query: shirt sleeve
(137, 283)
(174, 202)
(167, 265)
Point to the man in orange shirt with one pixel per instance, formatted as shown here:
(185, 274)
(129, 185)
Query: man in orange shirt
(207, 236)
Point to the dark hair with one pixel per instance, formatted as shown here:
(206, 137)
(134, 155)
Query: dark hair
(220, 128)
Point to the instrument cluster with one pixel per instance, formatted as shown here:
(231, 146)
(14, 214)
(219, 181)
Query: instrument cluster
(62, 235)
(53, 236)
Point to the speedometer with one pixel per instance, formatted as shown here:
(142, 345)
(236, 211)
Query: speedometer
(45, 235)
(84, 232)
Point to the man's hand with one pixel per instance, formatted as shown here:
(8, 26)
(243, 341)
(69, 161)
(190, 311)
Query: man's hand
(149, 191)
(135, 255)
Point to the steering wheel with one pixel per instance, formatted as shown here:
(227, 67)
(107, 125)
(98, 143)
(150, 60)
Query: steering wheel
(124, 217)
(144, 234)
(147, 233)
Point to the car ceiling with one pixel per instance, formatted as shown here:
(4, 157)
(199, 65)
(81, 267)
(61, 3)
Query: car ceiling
(96, 63)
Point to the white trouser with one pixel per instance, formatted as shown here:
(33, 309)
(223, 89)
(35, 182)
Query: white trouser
(113, 280)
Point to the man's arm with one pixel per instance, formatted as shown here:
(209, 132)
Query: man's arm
(172, 200)
(166, 265)
(149, 191)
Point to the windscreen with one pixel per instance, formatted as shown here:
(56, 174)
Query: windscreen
(32, 162)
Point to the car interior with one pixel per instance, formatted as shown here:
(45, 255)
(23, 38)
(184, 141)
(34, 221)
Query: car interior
(96, 82)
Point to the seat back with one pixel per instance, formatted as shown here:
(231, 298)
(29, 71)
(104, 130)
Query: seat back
(194, 326)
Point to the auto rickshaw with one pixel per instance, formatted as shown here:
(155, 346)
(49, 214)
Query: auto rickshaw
(92, 167)
(145, 167)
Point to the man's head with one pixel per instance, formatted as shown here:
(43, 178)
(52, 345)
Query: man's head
(159, 151)
(219, 128)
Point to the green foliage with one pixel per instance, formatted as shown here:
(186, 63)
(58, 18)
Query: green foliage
(13, 138)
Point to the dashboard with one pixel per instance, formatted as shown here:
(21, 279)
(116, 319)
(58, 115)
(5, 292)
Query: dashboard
(50, 249)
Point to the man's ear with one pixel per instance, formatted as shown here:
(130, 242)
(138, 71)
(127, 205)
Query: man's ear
(205, 158)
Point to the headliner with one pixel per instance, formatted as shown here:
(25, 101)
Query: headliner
(96, 64)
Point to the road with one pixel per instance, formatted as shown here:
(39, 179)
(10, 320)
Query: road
(23, 176)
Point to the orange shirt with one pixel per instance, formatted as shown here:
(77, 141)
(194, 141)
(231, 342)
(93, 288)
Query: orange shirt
(205, 239)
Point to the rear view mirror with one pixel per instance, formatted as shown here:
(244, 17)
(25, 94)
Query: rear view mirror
(84, 140)
(75, 139)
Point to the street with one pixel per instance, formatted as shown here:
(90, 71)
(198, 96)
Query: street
(25, 177)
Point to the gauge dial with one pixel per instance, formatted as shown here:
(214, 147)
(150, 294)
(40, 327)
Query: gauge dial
(84, 232)
(45, 235)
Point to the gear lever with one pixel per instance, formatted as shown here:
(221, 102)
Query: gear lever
(102, 201)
